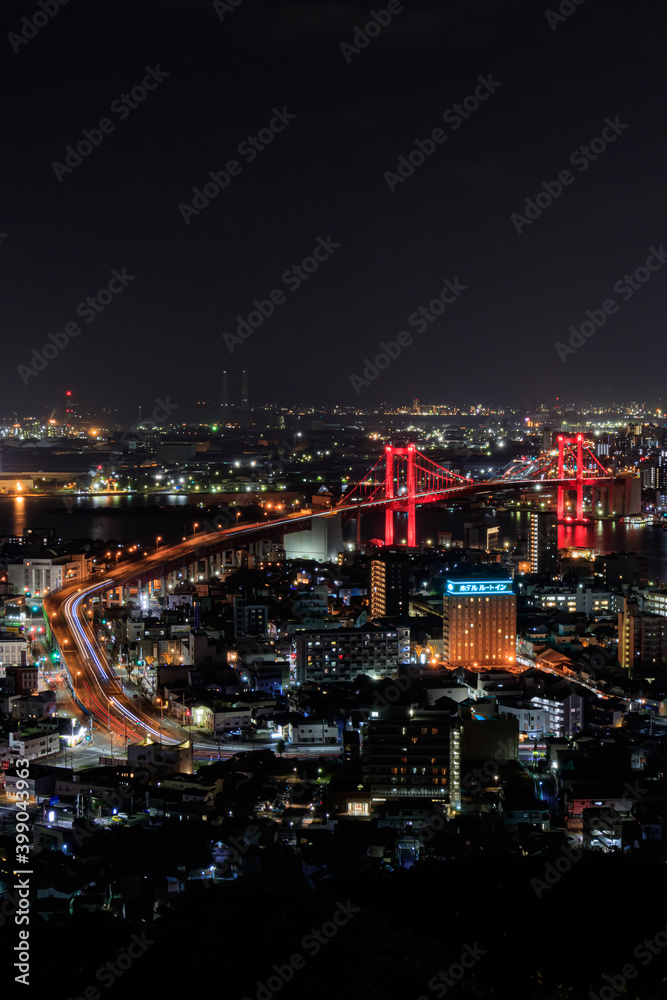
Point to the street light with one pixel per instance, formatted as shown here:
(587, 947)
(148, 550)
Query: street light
(158, 540)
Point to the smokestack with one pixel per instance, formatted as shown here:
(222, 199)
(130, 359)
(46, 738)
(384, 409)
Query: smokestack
(225, 395)
(245, 406)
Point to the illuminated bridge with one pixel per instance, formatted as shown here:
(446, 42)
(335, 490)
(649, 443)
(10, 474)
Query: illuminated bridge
(400, 480)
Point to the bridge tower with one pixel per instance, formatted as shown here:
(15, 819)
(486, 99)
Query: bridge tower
(405, 503)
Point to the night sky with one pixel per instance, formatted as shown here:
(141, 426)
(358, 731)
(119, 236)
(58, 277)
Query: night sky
(224, 74)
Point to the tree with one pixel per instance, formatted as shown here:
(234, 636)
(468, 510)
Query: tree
(280, 747)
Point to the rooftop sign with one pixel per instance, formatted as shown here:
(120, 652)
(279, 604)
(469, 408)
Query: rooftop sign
(479, 587)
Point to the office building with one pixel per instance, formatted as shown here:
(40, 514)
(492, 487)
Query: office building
(479, 622)
(543, 542)
(414, 752)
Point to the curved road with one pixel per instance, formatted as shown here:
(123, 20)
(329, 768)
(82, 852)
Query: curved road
(88, 666)
(92, 676)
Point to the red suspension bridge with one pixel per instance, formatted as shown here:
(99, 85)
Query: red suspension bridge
(401, 479)
(404, 477)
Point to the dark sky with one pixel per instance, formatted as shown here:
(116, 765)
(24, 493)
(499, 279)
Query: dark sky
(323, 176)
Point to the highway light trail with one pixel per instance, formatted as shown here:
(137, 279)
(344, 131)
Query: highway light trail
(94, 660)
(115, 712)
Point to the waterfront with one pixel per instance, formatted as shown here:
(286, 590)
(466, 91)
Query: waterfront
(140, 518)
(605, 536)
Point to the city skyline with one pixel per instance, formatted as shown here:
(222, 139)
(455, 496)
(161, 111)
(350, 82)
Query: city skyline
(333, 498)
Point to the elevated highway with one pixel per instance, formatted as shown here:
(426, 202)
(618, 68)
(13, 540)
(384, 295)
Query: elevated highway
(69, 610)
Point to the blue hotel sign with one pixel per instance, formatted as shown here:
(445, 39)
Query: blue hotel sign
(496, 587)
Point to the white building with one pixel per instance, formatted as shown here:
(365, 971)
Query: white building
(322, 541)
(313, 731)
(655, 602)
(585, 600)
(11, 648)
(227, 719)
(532, 720)
(540, 714)
(34, 743)
(42, 576)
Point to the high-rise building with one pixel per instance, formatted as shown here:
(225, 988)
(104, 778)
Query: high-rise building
(543, 542)
(414, 752)
(642, 640)
(250, 618)
(479, 622)
(389, 588)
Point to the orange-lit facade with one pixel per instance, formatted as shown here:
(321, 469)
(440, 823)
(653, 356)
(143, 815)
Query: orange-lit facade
(479, 624)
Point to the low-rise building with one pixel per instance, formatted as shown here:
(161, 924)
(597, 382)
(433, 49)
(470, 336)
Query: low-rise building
(607, 830)
(39, 576)
(596, 796)
(40, 783)
(226, 719)
(34, 706)
(13, 649)
(312, 731)
(33, 743)
(147, 752)
(21, 680)
(533, 721)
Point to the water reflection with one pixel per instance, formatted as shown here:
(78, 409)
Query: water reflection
(20, 520)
